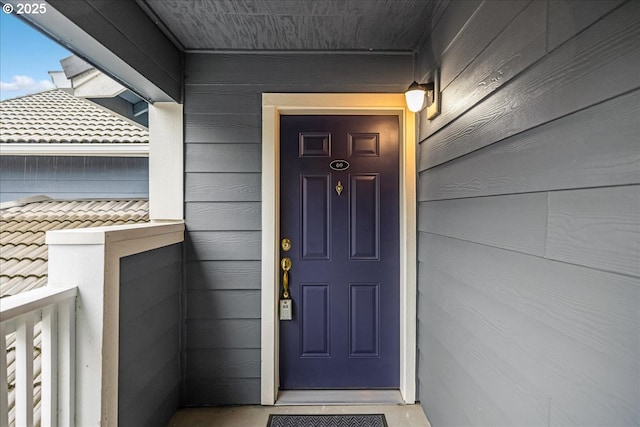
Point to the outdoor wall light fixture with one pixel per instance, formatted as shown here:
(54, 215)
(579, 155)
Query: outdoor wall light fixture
(428, 94)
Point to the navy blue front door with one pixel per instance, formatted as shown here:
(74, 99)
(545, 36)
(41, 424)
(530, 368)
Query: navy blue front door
(339, 206)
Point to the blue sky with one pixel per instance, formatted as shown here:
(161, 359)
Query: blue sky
(26, 55)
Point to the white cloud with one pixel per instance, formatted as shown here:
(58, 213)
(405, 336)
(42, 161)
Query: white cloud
(25, 84)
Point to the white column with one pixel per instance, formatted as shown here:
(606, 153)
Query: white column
(83, 265)
(89, 258)
(166, 160)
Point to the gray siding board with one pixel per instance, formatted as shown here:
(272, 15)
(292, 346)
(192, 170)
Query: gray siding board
(163, 287)
(560, 83)
(298, 69)
(598, 228)
(565, 293)
(236, 391)
(221, 99)
(518, 46)
(440, 389)
(214, 275)
(567, 18)
(137, 267)
(470, 366)
(80, 189)
(67, 177)
(160, 412)
(447, 28)
(141, 332)
(224, 245)
(13, 168)
(223, 128)
(487, 21)
(574, 316)
(231, 304)
(230, 363)
(220, 334)
(222, 187)
(593, 147)
(150, 321)
(147, 411)
(117, 168)
(149, 364)
(217, 216)
(517, 222)
(223, 157)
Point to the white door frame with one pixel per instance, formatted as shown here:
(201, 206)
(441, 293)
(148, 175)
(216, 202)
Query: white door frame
(273, 106)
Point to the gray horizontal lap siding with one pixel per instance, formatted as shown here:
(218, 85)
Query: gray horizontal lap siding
(529, 216)
(150, 329)
(71, 177)
(223, 102)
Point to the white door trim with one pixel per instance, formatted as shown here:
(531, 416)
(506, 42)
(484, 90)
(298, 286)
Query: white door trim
(273, 106)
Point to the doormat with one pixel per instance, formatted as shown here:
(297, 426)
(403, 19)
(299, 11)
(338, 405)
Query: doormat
(368, 420)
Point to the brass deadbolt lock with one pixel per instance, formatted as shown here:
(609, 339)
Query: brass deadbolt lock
(286, 244)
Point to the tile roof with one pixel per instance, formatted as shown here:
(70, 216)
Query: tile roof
(23, 253)
(54, 116)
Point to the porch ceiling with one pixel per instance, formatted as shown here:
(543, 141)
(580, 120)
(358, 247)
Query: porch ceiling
(300, 25)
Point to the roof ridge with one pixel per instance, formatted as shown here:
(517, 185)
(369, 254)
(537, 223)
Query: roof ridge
(23, 201)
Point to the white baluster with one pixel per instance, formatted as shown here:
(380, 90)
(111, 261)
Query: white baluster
(4, 387)
(66, 362)
(24, 371)
(49, 358)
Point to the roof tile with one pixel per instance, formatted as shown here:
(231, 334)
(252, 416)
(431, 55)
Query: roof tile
(54, 116)
(23, 227)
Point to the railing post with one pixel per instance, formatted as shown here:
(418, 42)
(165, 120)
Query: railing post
(84, 266)
(67, 363)
(24, 370)
(4, 386)
(49, 375)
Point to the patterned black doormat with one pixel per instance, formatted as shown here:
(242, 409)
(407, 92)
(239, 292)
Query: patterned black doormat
(375, 420)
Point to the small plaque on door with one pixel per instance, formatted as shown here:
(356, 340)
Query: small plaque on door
(286, 309)
(339, 165)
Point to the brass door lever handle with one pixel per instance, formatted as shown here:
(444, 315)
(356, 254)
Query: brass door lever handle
(285, 263)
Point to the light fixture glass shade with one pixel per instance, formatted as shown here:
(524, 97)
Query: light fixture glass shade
(415, 96)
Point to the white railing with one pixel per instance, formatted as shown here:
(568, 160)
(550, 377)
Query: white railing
(54, 308)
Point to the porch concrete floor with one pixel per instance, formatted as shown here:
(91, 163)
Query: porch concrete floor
(257, 416)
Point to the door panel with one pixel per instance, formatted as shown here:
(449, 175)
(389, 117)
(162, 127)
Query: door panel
(364, 216)
(315, 333)
(364, 320)
(315, 216)
(344, 279)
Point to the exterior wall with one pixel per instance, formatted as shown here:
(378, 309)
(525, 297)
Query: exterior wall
(222, 191)
(73, 177)
(529, 216)
(150, 330)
